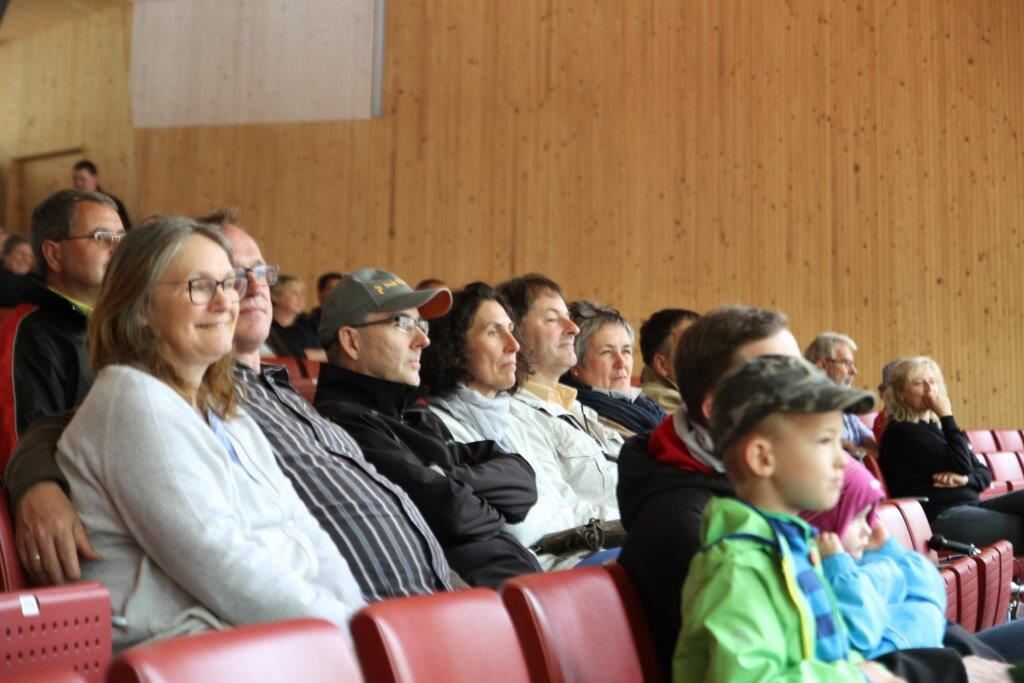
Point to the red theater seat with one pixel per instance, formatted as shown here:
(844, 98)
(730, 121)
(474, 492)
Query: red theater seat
(982, 441)
(297, 651)
(12, 576)
(8, 429)
(1005, 468)
(871, 464)
(59, 675)
(581, 625)
(461, 637)
(56, 628)
(1009, 440)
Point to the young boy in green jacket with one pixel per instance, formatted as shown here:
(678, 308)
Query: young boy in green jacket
(756, 606)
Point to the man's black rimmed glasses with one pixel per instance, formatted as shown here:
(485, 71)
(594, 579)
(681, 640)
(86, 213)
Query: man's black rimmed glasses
(403, 322)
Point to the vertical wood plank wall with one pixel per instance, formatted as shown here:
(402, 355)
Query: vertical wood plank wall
(854, 163)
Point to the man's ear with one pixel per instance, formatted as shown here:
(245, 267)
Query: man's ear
(705, 406)
(349, 341)
(821, 363)
(662, 365)
(759, 457)
(52, 253)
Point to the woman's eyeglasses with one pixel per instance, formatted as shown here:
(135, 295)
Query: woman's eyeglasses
(202, 289)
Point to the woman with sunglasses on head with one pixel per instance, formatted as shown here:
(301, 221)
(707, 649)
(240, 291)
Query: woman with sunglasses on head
(603, 372)
(178, 489)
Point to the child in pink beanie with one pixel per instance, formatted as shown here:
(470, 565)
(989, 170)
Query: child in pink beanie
(891, 598)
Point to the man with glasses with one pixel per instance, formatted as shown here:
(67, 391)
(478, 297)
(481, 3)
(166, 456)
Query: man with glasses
(74, 234)
(374, 327)
(833, 353)
(376, 527)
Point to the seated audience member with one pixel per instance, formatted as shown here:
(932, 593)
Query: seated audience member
(470, 370)
(833, 353)
(659, 336)
(324, 284)
(890, 597)
(549, 410)
(431, 283)
(376, 527)
(924, 454)
(16, 261)
(667, 478)
(227, 541)
(85, 177)
(291, 333)
(878, 428)
(374, 328)
(776, 423)
(604, 370)
(73, 236)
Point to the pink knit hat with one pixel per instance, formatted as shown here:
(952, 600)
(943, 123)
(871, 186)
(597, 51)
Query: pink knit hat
(860, 488)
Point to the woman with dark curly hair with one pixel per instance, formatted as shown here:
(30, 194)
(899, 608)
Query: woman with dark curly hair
(470, 369)
(604, 369)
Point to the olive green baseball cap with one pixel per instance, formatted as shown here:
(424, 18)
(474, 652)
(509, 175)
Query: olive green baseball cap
(758, 387)
(367, 291)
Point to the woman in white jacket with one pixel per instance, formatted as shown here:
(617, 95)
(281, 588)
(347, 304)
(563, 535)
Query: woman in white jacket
(470, 370)
(176, 486)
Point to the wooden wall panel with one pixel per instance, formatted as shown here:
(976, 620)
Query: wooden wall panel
(856, 164)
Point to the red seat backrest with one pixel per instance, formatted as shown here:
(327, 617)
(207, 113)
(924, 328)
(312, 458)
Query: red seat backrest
(995, 571)
(968, 589)
(1009, 440)
(1005, 466)
(312, 368)
(58, 627)
(917, 523)
(8, 419)
(12, 576)
(461, 637)
(982, 441)
(583, 624)
(296, 651)
(891, 517)
(57, 675)
(871, 464)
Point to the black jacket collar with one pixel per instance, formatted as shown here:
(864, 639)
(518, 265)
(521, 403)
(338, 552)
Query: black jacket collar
(386, 397)
(35, 291)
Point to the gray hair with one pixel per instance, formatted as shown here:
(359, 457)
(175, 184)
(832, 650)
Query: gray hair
(591, 317)
(824, 346)
(53, 218)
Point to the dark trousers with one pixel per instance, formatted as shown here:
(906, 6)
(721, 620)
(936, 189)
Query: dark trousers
(985, 523)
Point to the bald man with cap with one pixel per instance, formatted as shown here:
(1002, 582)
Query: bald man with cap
(374, 327)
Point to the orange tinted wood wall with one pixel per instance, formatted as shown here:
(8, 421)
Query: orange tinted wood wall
(856, 164)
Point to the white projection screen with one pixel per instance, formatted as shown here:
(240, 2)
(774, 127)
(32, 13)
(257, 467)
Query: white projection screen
(221, 62)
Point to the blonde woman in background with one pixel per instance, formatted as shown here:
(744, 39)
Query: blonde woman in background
(925, 454)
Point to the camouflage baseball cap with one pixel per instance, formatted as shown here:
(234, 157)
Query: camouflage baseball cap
(764, 385)
(369, 291)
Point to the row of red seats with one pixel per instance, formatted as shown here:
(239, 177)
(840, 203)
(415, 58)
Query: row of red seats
(577, 625)
(978, 588)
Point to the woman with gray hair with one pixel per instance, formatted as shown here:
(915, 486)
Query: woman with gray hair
(176, 486)
(925, 455)
(603, 372)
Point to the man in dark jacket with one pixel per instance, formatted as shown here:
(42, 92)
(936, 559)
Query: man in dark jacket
(74, 234)
(667, 477)
(374, 327)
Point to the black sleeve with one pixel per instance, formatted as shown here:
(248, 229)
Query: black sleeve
(932, 664)
(453, 510)
(34, 460)
(979, 477)
(918, 446)
(40, 387)
(505, 480)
